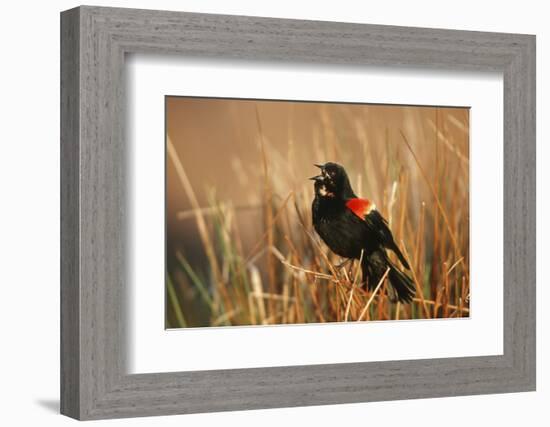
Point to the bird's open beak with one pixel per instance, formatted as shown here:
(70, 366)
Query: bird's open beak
(318, 177)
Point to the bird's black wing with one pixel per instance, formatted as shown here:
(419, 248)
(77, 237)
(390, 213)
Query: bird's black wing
(378, 226)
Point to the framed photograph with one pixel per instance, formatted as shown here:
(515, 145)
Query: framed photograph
(249, 216)
(262, 213)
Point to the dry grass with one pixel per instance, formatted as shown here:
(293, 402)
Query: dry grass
(289, 276)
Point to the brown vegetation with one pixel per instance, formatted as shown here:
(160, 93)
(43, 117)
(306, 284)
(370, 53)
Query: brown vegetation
(417, 174)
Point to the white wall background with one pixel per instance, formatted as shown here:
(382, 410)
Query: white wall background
(29, 212)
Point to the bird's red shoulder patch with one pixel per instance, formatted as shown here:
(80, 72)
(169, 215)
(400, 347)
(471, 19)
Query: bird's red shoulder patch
(360, 207)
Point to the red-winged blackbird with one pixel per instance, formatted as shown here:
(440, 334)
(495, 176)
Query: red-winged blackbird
(350, 225)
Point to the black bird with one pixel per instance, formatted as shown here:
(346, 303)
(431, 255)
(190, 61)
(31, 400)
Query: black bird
(350, 225)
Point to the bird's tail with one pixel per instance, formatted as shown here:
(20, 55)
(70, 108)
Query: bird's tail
(374, 267)
(403, 284)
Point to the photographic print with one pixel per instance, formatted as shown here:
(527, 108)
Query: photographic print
(294, 212)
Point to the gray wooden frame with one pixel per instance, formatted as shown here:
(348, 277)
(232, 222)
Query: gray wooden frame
(94, 41)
